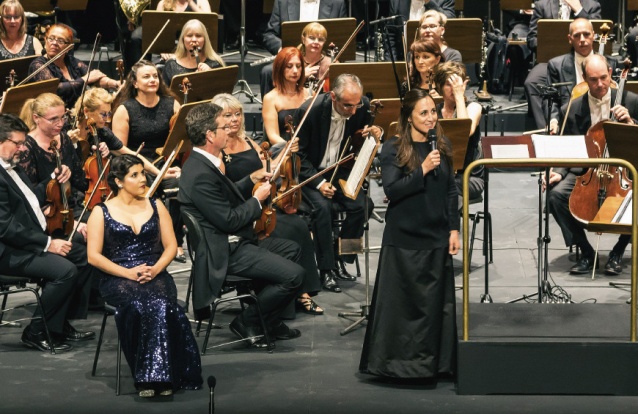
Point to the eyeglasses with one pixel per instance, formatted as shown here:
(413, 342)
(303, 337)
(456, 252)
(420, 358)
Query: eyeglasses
(9, 18)
(56, 120)
(351, 106)
(18, 143)
(58, 40)
(430, 27)
(225, 128)
(317, 39)
(232, 115)
(105, 115)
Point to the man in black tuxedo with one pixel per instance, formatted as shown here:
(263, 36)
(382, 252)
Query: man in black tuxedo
(290, 11)
(551, 9)
(412, 10)
(27, 251)
(226, 213)
(568, 68)
(595, 106)
(333, 118)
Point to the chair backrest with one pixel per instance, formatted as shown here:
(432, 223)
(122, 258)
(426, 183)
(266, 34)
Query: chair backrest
(195, 233)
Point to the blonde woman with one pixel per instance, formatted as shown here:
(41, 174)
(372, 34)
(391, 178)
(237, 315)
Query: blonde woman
(432, 26)
(14, 40)
(198, 6)
(194, 52)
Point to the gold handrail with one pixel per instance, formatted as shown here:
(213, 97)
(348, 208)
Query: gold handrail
(546, 162)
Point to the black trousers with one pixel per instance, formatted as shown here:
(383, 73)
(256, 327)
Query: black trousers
(273, 263)
(67, 282)
(538, 75)
(352, 227)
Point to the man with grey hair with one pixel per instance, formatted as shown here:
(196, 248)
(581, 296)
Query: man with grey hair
(333, 118)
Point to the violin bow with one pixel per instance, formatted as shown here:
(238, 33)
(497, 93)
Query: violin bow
(46, 64)
(88, 69)
(405, 57)
(155, 39)
(343, 152)
(164, 169)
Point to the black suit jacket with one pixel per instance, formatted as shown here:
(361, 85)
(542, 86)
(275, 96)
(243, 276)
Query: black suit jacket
(562, 69)
(288, 10)
(314, 133)
(221, 210)
(19, 226)
(579, 119)
(548, 9)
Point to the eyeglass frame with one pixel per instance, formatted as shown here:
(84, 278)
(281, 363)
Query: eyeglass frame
(350, 106)
(12, 18)
(58, 40)
(430, 27)
(55, 119)
(18, 144)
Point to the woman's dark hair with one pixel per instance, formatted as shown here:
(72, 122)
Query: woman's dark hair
(120, 166)
(129, 91)
(282, 59)
(406, 154)
(422, 46)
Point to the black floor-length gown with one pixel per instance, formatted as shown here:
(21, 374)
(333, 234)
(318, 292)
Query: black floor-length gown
(155, 333)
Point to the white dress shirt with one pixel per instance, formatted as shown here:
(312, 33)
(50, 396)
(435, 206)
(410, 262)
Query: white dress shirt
(600, 108)
(417, 9)
(308, 10)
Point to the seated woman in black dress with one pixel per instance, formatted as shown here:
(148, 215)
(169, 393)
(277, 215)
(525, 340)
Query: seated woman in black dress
(14, 40)
(288, 95)
(194, 52)
(131, 240)
(71, 71)
(242, 157)
(142, 113)
(411, 329)
(424, 56)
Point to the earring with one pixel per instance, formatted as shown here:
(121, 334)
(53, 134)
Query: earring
(120, 186)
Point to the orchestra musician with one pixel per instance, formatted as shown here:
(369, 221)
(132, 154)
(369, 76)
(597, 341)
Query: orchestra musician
(332, 119)
(411, 329)
(412, 10)
(568, 67)
(288, 95)
(425, 55)
(226, 212)
(71, 71)
(194, 52)
(432, 26)
(15, 42)
(451, 80)
(586, 111)
(27, 251)
(241, 157)
(142, 114)
(294, 10)
(551, 9)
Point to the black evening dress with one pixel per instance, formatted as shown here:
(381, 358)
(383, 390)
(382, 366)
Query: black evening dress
(155, 333)
(411, 330)
(289, 226)
(173, 68)
(68, 89)
(27, 50)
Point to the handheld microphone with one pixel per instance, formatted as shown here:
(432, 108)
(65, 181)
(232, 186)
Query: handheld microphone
(212, 381)
(432, 141)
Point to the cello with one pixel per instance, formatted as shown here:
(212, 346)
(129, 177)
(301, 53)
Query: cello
(592, 188)
(59, 218)
(94, 167)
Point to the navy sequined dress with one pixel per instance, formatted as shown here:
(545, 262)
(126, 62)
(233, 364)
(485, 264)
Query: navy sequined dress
(154, 331)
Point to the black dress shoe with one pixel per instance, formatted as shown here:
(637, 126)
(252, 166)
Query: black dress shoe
(583, 266)
(341, 274)
(284, 332)
(613, 267)
(180, 258)
(38, 341)
(251, 334)
(328, 281)
(71, 334)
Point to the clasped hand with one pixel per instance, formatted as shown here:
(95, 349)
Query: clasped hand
(142, 273)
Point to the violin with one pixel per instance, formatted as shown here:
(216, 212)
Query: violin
(290, 176)
(11, 79)
(119, 66)
(265, 225)
(59, 217)
(357, 139)
(593, 187)
(93, 167)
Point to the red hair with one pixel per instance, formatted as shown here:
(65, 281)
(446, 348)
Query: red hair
(284, 56)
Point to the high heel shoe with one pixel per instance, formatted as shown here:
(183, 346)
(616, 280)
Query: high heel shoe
(307, 305)
(147, 393)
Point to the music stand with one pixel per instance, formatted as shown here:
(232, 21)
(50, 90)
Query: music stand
(464, 35)
(178, 133)
(458, 132)
(377, 77)
(153, 21)
(46, 5)
(388, 115)
(511, 5)
(206, 84)
(16, 96)
(19, 65)
(339, 31)
(549, 30)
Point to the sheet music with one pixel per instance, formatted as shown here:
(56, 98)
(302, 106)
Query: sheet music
(623, 215)
(510, 151)
(360, 165)
(565, 146)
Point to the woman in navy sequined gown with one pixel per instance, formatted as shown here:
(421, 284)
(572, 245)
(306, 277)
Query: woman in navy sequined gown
(131, 240)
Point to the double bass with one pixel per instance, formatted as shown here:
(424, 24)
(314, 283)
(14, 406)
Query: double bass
(592, 188)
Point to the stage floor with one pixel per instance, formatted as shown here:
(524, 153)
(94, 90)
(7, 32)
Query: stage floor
(317, 373)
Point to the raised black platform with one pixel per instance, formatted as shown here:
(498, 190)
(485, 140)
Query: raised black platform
(526, 348)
